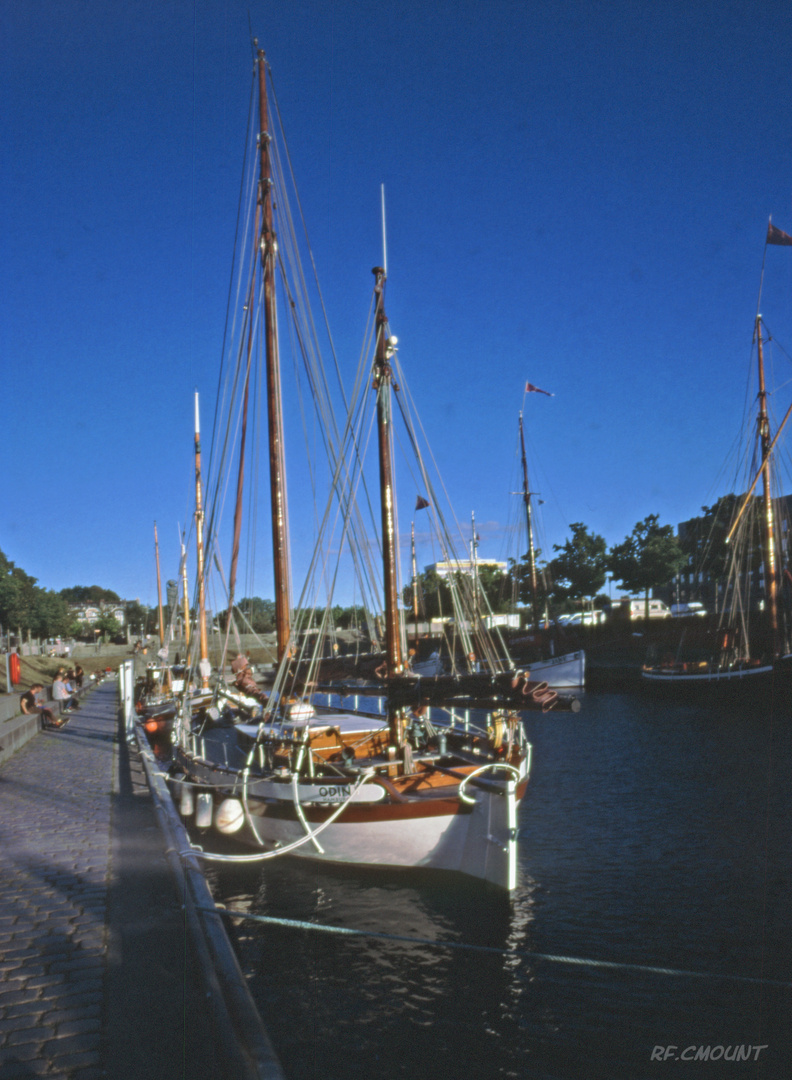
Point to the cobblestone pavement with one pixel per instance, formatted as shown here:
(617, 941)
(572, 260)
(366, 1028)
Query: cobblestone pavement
(55, 845)
(95, 976)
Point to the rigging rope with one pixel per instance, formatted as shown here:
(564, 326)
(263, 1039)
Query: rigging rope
(521, 954)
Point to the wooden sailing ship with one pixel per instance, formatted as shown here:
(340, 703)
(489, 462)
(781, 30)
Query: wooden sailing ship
(565, 671)
(424, 781)
(749, 643)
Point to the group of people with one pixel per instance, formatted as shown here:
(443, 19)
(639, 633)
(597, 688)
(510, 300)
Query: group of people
(65, 687)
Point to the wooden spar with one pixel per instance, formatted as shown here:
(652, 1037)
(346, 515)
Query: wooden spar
(185, 598)
(771, 576)
(526, 492)
(268, 245)
(414, 577)
(199, 544)
(159, 589)
(383, 379)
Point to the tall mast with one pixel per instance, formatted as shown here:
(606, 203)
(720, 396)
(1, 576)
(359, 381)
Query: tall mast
(199, 544)
(269, 247)
(159, 589)
(474, 566)
(526, 492)
(383, 379)
(185, 599)
(414, 577)
(771, 578)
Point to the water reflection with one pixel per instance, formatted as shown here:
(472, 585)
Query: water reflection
(651, 834)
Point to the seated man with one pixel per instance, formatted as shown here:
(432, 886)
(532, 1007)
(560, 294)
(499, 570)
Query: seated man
(61, 694)
(31, 703)
(244, 680)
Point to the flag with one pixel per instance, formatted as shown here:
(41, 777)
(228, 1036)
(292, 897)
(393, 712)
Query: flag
(421, 503)
(776, 236)
(530, 388)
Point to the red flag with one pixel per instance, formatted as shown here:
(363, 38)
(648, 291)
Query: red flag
(531, 389)
(776, 236)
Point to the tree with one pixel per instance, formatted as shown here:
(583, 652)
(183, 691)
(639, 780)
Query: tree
(260, 614)
(579, 570)
(50, 615)
(89, 594)
(136, 615)
(703, 539)
(434, 596)
(649, 557)
(17, 593)
(108, 625)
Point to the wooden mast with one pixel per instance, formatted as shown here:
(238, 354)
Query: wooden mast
(414, 577)
(185, 600)
(526, 493)
(383, 380)
(268, 247)
(199, 544)
(770, 573)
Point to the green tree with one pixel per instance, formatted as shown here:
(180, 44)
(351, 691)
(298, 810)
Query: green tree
(434, 596)
(17, 596)
(260, 614)
(496, 586)
(108, 625)
(649, 557)
(579, 570)
(136, 615)
(89, 594)
(50, 615)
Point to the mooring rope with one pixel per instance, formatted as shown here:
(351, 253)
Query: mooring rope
(575, 961)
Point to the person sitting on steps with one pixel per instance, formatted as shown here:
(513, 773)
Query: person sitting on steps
(31, 703)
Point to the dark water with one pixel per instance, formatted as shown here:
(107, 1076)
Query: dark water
(652, 834)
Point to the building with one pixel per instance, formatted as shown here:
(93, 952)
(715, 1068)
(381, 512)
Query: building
(446, 569)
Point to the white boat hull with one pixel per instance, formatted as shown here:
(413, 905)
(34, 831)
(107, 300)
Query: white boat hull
(567, 672)
(441, 833)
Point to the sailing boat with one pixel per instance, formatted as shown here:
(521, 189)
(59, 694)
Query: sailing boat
(411, 785)
(751, 641)
(567, 671)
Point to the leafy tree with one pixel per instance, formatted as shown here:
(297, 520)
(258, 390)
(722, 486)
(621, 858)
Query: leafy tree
(580, 567)
(346, 618)
(259, 613)
(434, 596)
(108, 624)
(649, 557)
(50, 615)
(89, 594)
(704, 538)
(136, 615)
(17, 595)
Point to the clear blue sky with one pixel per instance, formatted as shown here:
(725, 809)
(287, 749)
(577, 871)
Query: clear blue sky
(577, 196)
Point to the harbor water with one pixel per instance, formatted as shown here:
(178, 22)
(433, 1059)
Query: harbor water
(648, 936)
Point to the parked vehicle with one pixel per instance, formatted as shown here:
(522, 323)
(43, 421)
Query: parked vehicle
(693, 608)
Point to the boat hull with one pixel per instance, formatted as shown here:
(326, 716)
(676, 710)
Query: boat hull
(567, 672)
(440, 831)
(704, 678)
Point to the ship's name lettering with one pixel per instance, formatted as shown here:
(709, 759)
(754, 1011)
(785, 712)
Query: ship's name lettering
(333, 792)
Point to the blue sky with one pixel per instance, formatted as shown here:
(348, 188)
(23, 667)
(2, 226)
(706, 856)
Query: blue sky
(577, 193)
